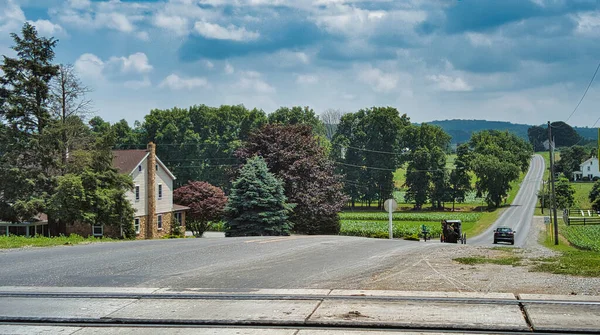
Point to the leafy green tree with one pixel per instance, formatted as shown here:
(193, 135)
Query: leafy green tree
(564, 135)
(494, 178)
(298, 115)
(537, 135)
(502, 145)
(570, 159)
(460, 181)
(428, 177)
(440, 179)
(565, 194)
(494, 157)
(95, 195)
(418, 178)
(368, 146)
(99, 126)
(206, 203)
(294, 155)
(257, 204)
(347, 142)
(594, 196)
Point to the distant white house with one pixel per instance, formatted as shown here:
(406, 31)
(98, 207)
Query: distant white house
(589, 169)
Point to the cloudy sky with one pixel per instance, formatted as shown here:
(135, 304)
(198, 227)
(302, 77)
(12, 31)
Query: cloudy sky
(524, 61)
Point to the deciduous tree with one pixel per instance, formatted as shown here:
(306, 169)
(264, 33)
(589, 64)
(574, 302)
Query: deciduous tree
(294, 155)
(206, 203)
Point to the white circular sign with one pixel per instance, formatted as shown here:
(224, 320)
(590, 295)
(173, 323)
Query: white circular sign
(388, 203)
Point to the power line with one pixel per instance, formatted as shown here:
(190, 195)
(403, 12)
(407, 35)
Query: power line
(584, 93)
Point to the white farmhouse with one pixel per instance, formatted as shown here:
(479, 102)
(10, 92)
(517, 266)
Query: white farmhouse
(151, 197)
(589, 169)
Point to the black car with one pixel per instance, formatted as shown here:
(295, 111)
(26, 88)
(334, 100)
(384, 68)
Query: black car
(505, 234)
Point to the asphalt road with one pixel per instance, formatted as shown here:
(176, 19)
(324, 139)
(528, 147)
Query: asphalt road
(254, 262)
(519, 215)
(237, 263)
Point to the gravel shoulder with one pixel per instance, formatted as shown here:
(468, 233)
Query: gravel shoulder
(437, 271)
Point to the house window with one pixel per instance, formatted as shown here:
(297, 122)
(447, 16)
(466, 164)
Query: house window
(97, 230)
(159, 191)
(159, 222)
(136, 224)
(139, 168)
(178, 218)
(137, 192)
(588, 168)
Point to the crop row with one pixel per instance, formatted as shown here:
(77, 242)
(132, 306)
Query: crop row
(379, 229)
(584, 237)
(369, 216)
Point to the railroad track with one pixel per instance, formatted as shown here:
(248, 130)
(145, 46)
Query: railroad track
(387, 313)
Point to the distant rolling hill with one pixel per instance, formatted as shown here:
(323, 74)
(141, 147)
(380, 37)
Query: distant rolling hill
(461, 130)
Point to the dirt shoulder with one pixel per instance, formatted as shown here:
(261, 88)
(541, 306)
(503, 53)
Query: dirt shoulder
(438, 271)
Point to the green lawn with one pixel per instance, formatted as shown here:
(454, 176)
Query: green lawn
(582, 192)
(572, 261)
(7, 242)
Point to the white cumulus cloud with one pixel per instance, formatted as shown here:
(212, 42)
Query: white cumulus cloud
(134, 63)
(379, 81)
(11, 17)
(174, 23)
(89, 66)
(47, 28)
(228, 68)
(231, 32)
(176, 82)
(447, 83)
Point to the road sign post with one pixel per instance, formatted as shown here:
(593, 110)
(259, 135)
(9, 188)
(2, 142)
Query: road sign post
(390, 206)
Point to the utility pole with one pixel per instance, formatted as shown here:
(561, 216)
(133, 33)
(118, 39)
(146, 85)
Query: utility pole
(553, 198)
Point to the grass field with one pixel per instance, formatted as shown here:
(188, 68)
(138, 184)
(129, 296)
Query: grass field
(572, 261)
(582, 192)
(7, 242)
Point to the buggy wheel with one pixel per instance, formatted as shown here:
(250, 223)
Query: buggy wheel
(465, 238)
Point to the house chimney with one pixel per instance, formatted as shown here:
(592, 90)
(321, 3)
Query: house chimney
(151, 191)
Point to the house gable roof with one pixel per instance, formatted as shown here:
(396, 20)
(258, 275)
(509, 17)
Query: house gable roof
(588, 160)
(126, 161)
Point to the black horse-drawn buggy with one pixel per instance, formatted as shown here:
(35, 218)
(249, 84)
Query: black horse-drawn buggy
(452, 232)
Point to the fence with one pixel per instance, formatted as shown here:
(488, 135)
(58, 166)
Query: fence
(581, 217)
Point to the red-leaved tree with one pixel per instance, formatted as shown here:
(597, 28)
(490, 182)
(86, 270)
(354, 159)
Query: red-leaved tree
(206, 203)
(294, 155)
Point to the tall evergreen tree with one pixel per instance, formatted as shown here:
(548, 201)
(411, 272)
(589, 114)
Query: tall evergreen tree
(29, 154)
(257, 204)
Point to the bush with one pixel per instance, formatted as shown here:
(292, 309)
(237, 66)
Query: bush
(199, 227)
